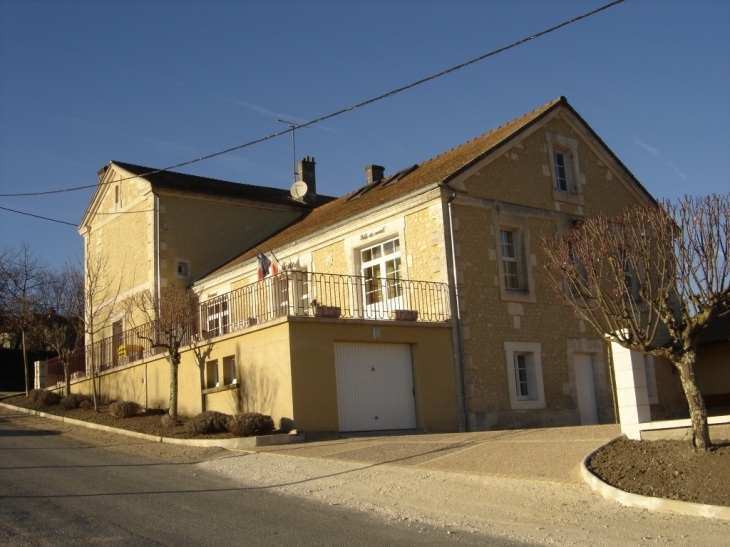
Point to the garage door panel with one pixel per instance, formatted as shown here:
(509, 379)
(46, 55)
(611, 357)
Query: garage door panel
(374, 386)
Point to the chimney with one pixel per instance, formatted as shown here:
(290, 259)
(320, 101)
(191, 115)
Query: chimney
(374, 173)
(305, 173)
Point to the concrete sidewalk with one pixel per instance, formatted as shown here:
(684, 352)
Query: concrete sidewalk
(552, 455)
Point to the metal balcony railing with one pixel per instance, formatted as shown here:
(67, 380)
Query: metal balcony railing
(290, 293)
(306, 294)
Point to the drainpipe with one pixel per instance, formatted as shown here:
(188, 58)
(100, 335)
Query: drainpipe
(157, 246)
(461, 378)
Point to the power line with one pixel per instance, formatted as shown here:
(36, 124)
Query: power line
(338, 112)
(38, 216)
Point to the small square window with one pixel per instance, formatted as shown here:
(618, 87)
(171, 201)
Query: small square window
(182, 268)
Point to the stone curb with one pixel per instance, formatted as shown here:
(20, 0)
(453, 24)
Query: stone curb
(238, 442)
(646, 502)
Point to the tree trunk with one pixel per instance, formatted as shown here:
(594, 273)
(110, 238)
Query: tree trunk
(697, 409)
(67, 375)
(173, 385)
(25, 362)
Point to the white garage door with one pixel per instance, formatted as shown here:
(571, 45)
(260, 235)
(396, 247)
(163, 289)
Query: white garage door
(374, 386)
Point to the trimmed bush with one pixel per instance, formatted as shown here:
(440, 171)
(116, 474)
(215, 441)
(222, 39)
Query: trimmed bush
(250, 424)
(209, 421)
(124, 409)
(49, 398)
(76, 400)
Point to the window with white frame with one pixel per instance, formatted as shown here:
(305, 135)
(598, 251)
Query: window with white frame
(563, 166)
(216, 316)
(524, 375)
(512, 266)
(381, 268)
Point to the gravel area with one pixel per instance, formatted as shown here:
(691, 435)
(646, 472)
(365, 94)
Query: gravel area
(535, 510)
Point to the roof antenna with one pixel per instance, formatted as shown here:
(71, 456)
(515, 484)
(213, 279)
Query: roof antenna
(292, 127)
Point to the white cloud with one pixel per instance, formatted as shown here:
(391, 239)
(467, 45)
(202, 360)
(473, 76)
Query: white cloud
(653, 151)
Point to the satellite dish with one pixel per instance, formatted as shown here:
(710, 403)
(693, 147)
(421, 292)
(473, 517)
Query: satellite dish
(299, 189)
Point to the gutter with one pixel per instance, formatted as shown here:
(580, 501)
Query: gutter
(459, 362)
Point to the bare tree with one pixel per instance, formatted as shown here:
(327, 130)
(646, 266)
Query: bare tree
(100, 300)
(21, 276)
(173, 318)
(651, 280)
(62, 326)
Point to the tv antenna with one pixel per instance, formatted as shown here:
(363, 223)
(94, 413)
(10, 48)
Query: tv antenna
(292, 127)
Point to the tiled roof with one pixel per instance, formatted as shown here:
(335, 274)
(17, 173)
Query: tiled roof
(442, 168)
(203, 185)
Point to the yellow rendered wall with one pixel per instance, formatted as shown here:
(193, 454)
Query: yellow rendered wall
(314, 382)
(262, 369)
(208, 233)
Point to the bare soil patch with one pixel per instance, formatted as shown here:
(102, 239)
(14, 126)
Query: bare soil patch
(149, 421)
(666, 469)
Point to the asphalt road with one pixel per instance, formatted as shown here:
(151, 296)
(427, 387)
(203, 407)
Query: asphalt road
(58, 491)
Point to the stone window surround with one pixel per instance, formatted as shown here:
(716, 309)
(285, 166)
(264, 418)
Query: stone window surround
(518, 225)
(534, 349)
(390, 230)
(569, 147)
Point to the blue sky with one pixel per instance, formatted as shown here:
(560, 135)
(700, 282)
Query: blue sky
(162, 82)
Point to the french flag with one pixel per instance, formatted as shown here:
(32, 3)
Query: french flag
(266, 267)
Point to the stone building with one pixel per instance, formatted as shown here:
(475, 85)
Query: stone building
(417, 301)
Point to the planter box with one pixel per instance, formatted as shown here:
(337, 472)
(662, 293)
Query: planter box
(406, 315)
(327, 311)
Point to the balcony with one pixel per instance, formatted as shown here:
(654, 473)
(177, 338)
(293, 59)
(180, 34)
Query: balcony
(315, 295)
(288, 294)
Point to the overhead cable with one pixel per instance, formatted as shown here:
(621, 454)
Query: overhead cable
(338, 112)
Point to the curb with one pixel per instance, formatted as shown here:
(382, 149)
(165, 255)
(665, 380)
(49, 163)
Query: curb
(646, 502)
(238, 442)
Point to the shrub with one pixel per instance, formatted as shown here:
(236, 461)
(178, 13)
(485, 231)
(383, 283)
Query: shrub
(34, 394)
(250, 424)
(209, 421)
(76, 400)
(49, 398)
(124, 409)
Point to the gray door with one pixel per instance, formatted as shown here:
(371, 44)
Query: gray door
(374, 386)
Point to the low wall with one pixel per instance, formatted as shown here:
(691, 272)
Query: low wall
(681, 429)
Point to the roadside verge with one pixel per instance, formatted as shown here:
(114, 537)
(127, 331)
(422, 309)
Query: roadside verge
(238, 442)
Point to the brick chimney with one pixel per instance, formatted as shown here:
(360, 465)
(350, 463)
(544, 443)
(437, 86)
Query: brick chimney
(306, 174)
(374, 173)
